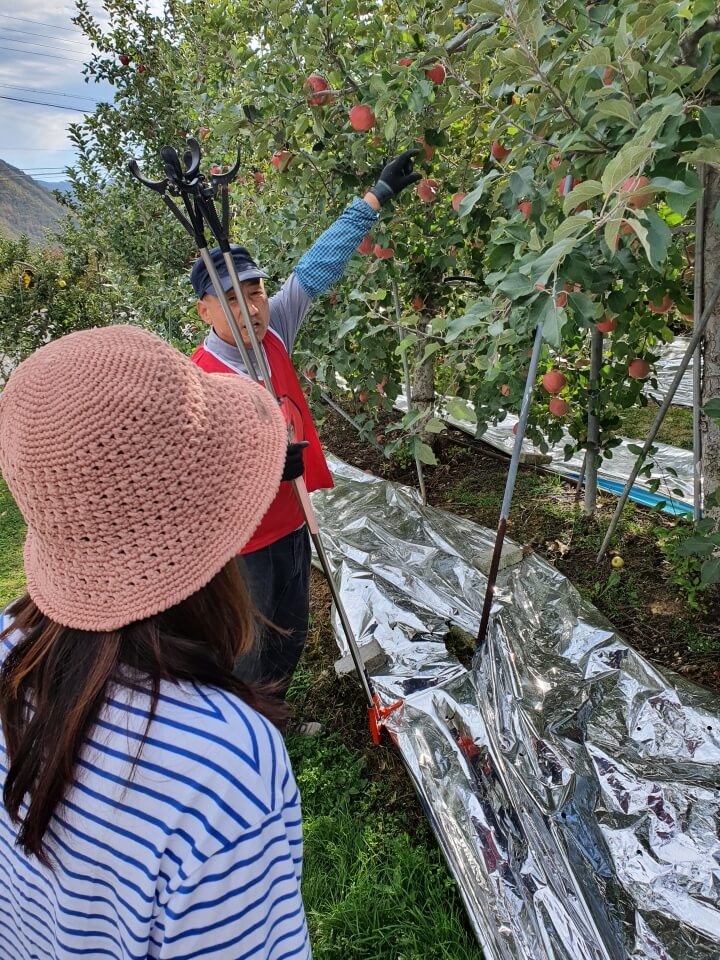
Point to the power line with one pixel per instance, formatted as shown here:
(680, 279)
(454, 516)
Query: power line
(47, 36)
(32, 43)
(34, 53)
(50, 93)
(44, 103)
(39, 23)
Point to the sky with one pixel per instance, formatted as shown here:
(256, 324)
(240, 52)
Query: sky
(41, 59)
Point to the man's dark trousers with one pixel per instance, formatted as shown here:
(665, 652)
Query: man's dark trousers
(278, 577)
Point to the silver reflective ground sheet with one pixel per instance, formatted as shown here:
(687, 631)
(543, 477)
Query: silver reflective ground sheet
(665, 369)
(573, 787)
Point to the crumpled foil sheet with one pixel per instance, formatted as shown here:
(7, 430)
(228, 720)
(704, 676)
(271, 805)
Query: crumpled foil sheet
(665, 369)
(573, 787)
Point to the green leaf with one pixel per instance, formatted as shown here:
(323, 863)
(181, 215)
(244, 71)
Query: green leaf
(472, 198)
(710, 571)
(572, 226)
(424, 454)
(529, 19)
(655, 237)
(391, 128)
(553, 320)
(709, 153)
(515, 286)
(712, 409)
(548, 262)
(581, 194)
(710, 121)
(616, 108)
(476, 315)
(431, 349)
(434, 426)
(346, 326)
(597, 56)
(628, 160)
(696, 547)
(460, 410)
(634, 449)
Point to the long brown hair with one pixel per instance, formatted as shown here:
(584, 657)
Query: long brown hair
(54, 680)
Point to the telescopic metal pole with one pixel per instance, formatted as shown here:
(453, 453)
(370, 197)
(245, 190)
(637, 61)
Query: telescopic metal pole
(697, 359)
(510, 484)
(299, 484)
(408, 385)
(660, 416)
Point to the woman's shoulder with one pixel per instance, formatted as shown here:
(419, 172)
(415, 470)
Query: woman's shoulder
(206, 736)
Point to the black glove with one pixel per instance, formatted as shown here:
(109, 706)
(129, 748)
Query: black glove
(294, 464)
(395, 176)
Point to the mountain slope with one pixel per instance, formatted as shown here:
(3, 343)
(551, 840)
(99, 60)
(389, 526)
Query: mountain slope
(26, 207)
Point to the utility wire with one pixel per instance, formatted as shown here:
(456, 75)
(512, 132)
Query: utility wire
(34, 43)
(50, 93)
(39, 23)
(35, 53)
(30, 33)
(44, 103)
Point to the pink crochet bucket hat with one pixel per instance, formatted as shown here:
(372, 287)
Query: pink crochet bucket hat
(138, 474)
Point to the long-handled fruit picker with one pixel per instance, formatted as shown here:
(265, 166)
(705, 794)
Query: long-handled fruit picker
(184, 180)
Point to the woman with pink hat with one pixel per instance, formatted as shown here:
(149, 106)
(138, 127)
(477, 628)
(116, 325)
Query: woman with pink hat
(148, 805)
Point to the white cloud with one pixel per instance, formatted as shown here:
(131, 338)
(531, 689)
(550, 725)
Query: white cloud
(34, 135)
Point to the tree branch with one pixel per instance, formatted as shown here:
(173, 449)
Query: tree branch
(689, 43)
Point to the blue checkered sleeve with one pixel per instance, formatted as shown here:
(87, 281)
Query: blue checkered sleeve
(324, 263)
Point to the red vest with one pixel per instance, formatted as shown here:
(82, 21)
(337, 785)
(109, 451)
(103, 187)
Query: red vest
(284, 514)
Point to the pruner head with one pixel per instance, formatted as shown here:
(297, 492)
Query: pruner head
(222, 179)
(159, 186)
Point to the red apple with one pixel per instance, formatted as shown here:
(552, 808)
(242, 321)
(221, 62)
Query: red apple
(428, 150)
(366, 245)
(436, 74)
(554, 381)
(566, 185)
(281, 160)
(418, 303)
(406, 61)
(334, 297)
(317, 85)
(664, 307)
(310, 373)
(427, 190)
(361, 118)
(608, 76)
(525, 209)
(259, 178)
(457, 199)
(215, 170)
(608, 325)
(141, 68)
(380, 439)
(637, 200)
(124, 59)
(498, 151)
(561, 299)
(555, 161)
(505, 389)
(363, 396)
(515, 429)
(204, 133)
(558, 407)
(383, 253)
(639, 369)
(380, 387)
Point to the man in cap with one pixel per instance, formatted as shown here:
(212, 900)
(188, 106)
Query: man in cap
(276, 561)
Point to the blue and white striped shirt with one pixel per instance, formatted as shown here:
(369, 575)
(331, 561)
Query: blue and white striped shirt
(199, 855)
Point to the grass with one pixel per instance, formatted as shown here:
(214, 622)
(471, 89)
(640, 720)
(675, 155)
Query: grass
(371, 889)
(676, 429)
(12, 530)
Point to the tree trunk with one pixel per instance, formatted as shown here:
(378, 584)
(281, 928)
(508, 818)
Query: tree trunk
(711, 341)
